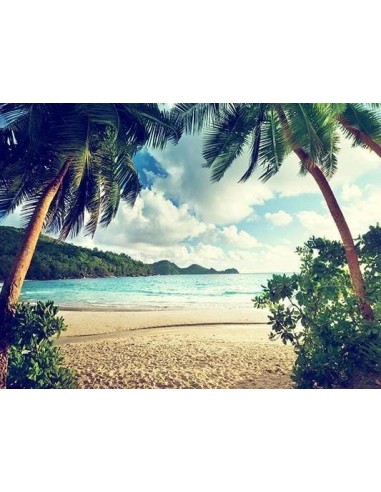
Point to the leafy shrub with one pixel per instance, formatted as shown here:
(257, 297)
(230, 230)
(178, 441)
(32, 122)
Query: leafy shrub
(34, 362)
(317, 312)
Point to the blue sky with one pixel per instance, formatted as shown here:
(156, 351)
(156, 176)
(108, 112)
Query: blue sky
(255, 227)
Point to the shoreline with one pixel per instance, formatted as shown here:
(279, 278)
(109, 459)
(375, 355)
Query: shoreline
(94, 322)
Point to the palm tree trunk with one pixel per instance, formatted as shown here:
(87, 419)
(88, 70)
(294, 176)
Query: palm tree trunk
(369, 142)
(12, 286)
(337, 215)
(346, 237)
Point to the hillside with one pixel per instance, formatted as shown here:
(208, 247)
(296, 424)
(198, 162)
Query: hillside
(54, 260)
(166, 267)
(57, 260)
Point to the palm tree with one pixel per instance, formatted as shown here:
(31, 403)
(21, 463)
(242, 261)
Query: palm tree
(272, 131)
(68, 166)
(361, 123)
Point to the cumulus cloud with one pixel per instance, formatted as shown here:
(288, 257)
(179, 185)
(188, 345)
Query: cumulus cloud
(269, 258)
(280, 218)
(350, 192)
(229, 236)
(318, 224)
(233, 237)
(363, 210)
(153, 220)
(223, 203)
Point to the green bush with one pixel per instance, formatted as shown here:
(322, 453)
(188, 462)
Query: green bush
(34, 362)
(317, 312)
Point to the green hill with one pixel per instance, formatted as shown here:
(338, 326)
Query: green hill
(56, 260)
(165, 267)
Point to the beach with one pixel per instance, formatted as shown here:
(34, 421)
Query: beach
(203, 348)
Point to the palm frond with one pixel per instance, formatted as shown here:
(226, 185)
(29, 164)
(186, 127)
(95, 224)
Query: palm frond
(119, 181)
(273, 148)
(158, 125)
(194, 117)
(59, 206)
(364, 119)
(76, 208)
(314, 128)
(11, 114)
(256, 142)
(98, 140)
(226, 138)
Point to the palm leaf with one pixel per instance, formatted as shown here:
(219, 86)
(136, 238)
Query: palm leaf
(364, 119)
(256, 143)
(194, 117)
(273, 148)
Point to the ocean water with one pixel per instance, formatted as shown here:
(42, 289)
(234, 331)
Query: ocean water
(149, 293)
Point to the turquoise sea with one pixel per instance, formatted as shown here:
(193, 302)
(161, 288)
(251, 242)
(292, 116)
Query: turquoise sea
(149, 293)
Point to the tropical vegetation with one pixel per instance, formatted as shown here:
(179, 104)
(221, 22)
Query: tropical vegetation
(58, 260)
(34, 361)
(317, 312)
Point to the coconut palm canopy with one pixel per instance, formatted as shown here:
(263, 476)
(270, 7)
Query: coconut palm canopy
(97, 140)
(231, 129)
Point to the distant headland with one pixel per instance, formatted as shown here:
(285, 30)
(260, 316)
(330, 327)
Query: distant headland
(165, 267)
(55, 260)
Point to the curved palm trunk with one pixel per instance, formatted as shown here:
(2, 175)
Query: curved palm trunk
(369, 142)
(346, 237)
(12, 286)
(338, 217)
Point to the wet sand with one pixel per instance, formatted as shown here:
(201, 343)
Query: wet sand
(176, 349)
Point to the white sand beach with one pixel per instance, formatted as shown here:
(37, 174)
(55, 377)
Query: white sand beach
(203, 348)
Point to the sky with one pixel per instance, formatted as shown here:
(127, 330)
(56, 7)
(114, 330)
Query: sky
(255, 227)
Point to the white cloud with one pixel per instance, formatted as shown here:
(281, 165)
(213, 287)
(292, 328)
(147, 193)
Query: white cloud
(223, 203)
(318, 224)
(203, 254)
(280, 218)
(350, 192)
(363, 210)
(153, 220)
(231, 236)
(269, 258)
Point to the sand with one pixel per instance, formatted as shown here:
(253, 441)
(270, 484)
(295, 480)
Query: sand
(175, 349)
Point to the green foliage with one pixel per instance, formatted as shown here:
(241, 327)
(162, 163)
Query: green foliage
(34, 362)
(53, 260)
(317, 312)
(364, 118)
(96, 141)
(230, 129)
(315, 128)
